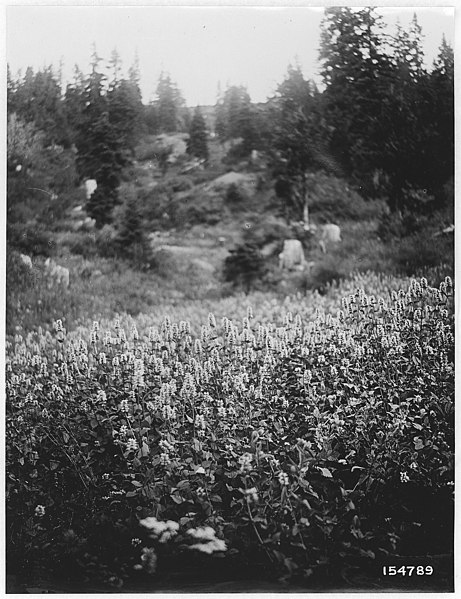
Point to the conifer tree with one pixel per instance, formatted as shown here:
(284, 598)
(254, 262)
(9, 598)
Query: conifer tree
(100, 151)
(235, 118)
(169, 103)
(197, 142)
(357, 73)
(11, 89)
(439, 98)
(74, 102)
(295, 149)
(37, 99)
(124, 104)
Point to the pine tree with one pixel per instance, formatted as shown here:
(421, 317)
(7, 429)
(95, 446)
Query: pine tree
(439, 91)
(11, 89)
(116, 66)
(37, 99)
(244, 266)
(355, 69)
(103, 160)
(407, 52)
(169, 102)
(125, 113)
(295, 149)
(197, 142)
(235, 118)
(74, 102)
(100, 151)
(405, 125)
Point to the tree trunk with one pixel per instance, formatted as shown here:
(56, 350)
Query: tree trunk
(305, 199)
(306, 211)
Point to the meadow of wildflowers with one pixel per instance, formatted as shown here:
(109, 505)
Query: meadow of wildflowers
(292, 437)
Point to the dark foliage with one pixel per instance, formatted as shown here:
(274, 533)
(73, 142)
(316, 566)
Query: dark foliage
(197, 143)
(244, 267)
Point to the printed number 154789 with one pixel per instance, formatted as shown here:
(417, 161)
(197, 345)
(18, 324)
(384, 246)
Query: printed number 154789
(408, 570)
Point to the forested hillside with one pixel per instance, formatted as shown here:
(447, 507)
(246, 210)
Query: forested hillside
(375, 145)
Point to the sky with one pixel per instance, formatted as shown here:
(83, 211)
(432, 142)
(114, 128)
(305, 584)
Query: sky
(200, 46)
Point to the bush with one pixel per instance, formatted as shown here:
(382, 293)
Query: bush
(234, 195)
(195, 209)
(106, 241)
(180, 184)
(244, 267)
(416, 252)
(31, 238)
(80, 243)
(267, 230)
(324, 275)
(332, 198)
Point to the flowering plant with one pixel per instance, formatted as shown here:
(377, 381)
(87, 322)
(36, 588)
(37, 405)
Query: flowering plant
(296, 440)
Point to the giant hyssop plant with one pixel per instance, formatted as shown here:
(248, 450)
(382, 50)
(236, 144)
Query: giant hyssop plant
(299, 446)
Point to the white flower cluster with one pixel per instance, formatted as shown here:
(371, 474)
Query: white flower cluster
(210, 544)
(404, 478)
(138, 375)
(245, 462)
(200, 421)
(283, 479)
(124, 406)
(252, 495)
(160, 530)
(132, 445)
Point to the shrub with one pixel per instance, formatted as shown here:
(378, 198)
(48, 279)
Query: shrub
(414, 252)
(324, 276)
(267, 230)
(332, 198)
(179, 184)
(31, 238)
(234, 195)
(244, 267)
(83, 244)
(196, 209)
(106, 241)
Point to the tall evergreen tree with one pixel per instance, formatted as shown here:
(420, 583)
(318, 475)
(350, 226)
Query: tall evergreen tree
(38, 99)
(11, 89)
(100, 151)
(74, 102)
(440, 119)
(197, 143)
(169, 102)
(355, 70)
(295, 147)
(115, 64)
(124, 104)
(405, 131)
(235, 118)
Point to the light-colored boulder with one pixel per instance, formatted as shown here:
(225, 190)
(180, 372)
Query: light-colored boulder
(269, 249)
(292, 256)
(90, 187)
(57, 275)
(327, 235)
(89, 223)
(26, 260)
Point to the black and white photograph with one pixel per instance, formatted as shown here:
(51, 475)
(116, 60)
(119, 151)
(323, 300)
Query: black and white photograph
(229, 264)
